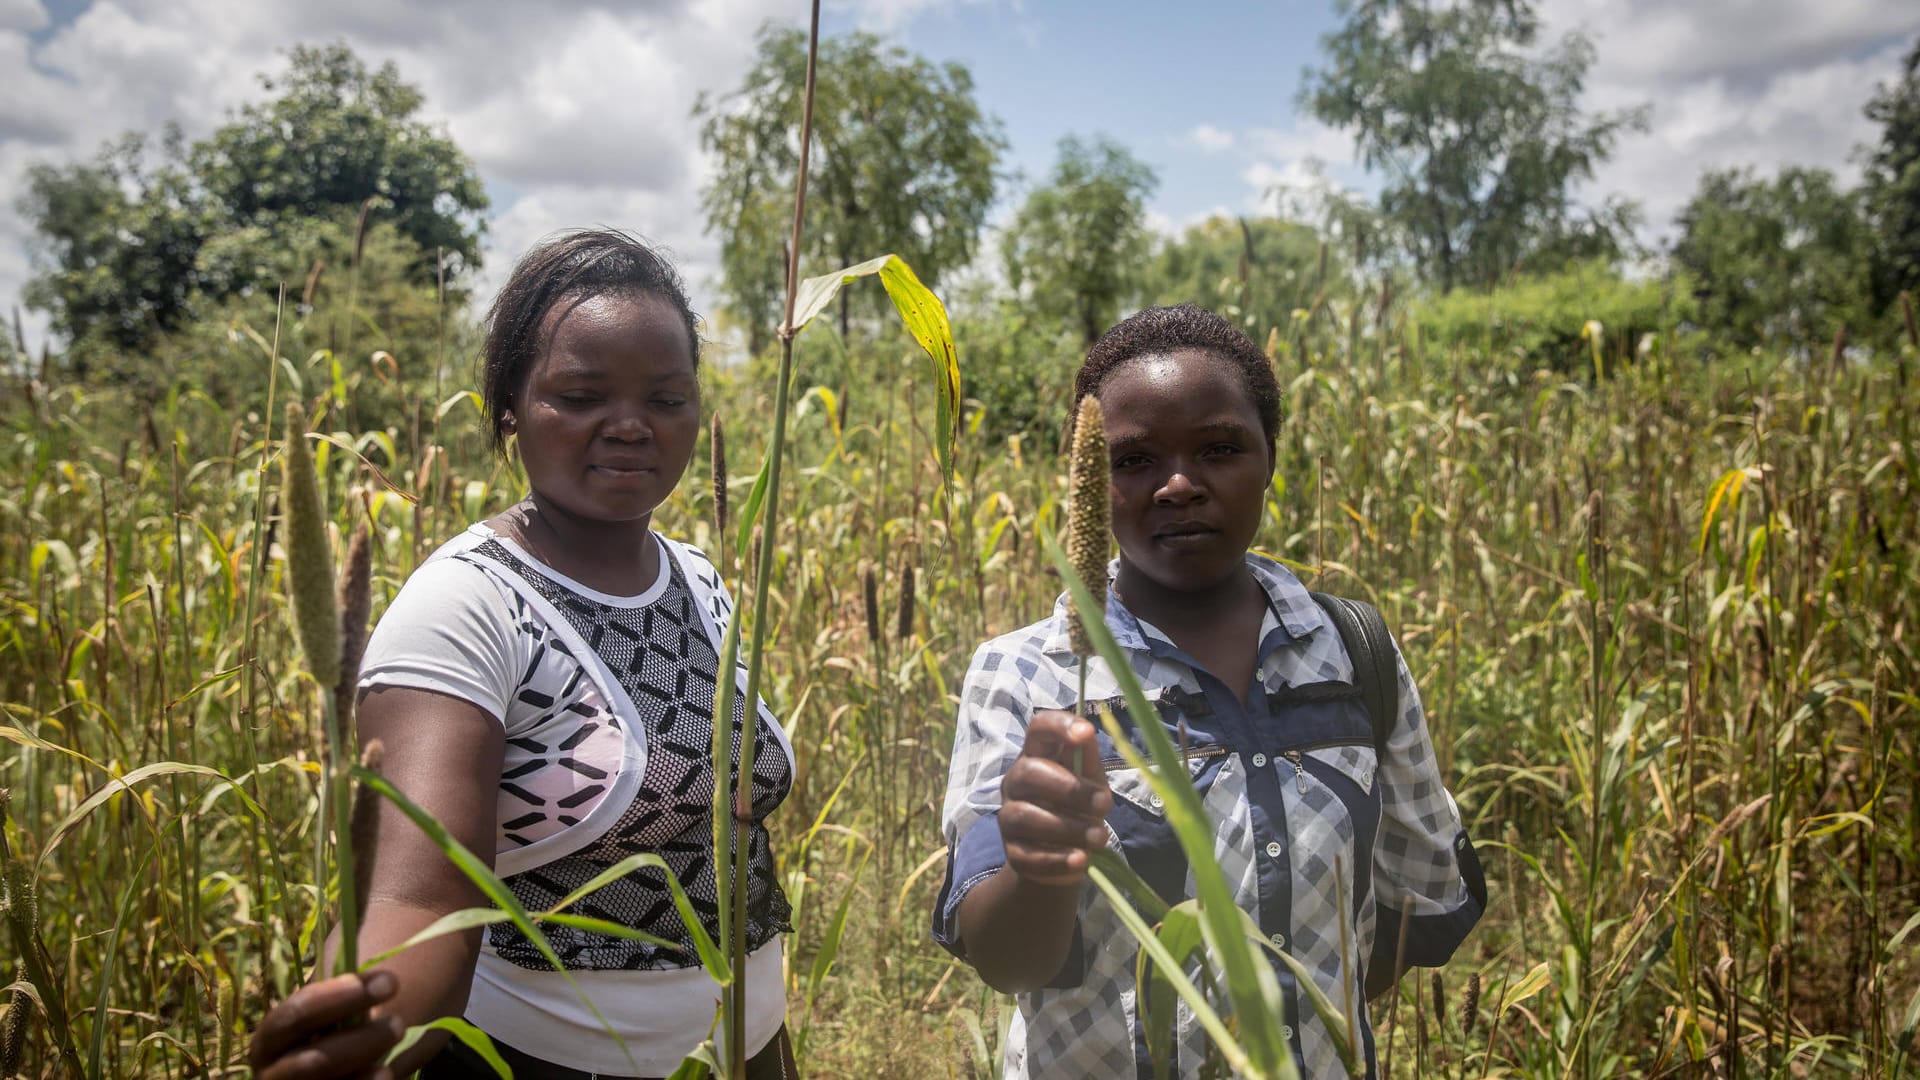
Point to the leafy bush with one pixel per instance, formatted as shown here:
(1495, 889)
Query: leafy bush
(1541, 321)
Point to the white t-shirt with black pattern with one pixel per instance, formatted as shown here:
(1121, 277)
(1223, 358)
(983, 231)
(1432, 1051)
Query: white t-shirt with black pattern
(585, 783)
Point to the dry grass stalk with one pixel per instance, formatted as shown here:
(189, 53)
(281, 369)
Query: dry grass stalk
(1088, 514)
(316, 617)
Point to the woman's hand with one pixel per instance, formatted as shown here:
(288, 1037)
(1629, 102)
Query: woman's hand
(322, 1031)
(1051, 817)
(1017, 926)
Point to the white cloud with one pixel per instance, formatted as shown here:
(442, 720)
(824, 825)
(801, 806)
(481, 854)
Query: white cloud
(1665, 43)
(575, 111)
(1307, 138)
(1210, 139)
(1732, 83)
(22, 15)
(1170, 227)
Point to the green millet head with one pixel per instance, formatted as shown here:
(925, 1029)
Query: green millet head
(316, 616)
(13, 1030)
(22, 903)
(1088, 514)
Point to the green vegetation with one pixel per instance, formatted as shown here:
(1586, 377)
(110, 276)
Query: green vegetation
(1656, 579)
(1075, 249)
(1658, 622)
(903, 161)
(133, 250)
(1478, 140)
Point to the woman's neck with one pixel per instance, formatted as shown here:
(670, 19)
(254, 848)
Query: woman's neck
(615, 557)
(1178, 612)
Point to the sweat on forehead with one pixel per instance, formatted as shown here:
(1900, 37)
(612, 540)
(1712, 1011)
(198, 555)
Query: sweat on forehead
(1164, 331)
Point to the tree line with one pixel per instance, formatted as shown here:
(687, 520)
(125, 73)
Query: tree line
(337, 189)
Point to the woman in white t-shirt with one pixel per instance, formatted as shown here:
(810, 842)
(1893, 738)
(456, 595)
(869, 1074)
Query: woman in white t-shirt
(544, 686)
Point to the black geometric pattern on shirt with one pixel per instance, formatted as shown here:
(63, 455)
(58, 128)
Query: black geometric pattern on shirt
(664, 660)
(554, 685)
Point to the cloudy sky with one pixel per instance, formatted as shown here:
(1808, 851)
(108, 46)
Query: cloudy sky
(577, 111)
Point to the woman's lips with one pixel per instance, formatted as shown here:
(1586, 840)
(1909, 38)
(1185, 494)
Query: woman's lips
(1185, 533)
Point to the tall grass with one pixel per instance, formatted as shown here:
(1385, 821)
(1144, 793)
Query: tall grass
(1663, 622)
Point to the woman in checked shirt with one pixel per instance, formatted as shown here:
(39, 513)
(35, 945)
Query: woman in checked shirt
(1342, 844)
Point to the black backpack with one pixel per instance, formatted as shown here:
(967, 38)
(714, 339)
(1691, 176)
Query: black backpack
(1370, 647)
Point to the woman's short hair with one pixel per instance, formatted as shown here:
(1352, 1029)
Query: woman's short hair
(574, 265)
(1162, 330)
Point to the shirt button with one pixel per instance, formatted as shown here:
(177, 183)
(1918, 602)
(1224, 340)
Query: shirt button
(1279, 941)
(1157, 802)
(1286, 1032)
(1273, 848)
(1259, 761)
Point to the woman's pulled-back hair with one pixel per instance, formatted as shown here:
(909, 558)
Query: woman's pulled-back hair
(574, 265)
(1157, 331)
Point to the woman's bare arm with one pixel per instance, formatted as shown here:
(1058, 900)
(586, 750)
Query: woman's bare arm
(445, 754)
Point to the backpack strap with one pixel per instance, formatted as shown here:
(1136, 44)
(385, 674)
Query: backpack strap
(1370, 647)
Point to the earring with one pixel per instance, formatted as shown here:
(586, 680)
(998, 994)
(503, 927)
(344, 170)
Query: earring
(507, 423)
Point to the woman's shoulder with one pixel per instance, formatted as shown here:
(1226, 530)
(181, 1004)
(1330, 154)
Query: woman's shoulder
(1035, 644)
(448, 596)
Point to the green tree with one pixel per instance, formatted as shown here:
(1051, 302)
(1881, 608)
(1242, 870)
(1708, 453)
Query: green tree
(117, 242)
(126, 248)
(1776, 262)
(1477, 136)
(1076, 249)
(336, 135)
(903, 162)
(1255, 271)
(1892, 183)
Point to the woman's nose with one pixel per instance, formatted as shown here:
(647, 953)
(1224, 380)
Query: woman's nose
(628, 425)
(1178, 488)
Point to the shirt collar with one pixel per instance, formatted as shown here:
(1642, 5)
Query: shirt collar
(1291, 614)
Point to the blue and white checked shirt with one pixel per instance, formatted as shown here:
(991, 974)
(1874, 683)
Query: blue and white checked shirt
(1304, 816)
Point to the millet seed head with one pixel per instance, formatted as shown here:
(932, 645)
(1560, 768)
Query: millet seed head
(316, 618)
(22, 904)
(1088, 514)
(13, 1030)
(356, 607)
(1470, 1003)
(364, 825)
(719, 454)
(903, 629)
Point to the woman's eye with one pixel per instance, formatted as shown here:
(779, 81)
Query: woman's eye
(1129, 461)
(578, 399)
(669, 402)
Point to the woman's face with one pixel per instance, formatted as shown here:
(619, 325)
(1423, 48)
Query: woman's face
(611, 408)
(1190, 468)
